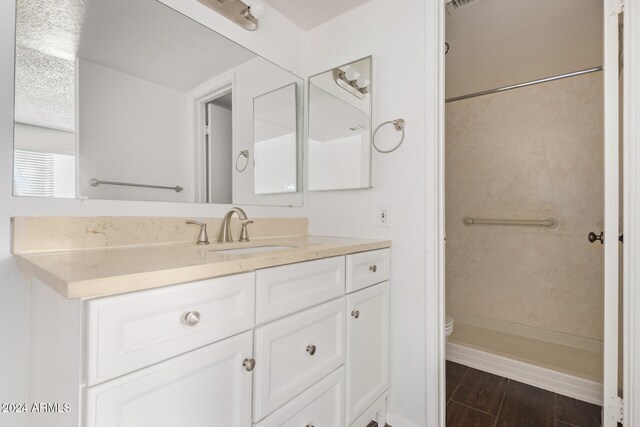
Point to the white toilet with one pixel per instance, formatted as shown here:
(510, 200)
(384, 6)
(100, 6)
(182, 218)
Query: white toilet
(448, 326)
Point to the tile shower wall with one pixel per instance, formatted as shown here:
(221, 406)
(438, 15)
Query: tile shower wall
(534, 152)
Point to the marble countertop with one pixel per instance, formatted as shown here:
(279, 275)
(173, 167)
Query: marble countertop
(94, 273)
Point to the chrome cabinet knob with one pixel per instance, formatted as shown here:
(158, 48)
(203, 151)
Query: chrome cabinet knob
(373, 268)
(249, 364)
(355, 313)
(311, 349)
(192, 318)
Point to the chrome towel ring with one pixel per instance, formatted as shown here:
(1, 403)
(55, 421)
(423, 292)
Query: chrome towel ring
(398, 124)
(245, 154)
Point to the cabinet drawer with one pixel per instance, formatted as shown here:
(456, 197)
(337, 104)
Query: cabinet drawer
(294, 353)
(202, 388)
(321, 405)
(287, 289)
(367, 268)
(132, 331)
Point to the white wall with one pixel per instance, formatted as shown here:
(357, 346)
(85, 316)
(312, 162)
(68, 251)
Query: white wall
(47, 140)
(395, 35)
(277, 40)
(119, 113)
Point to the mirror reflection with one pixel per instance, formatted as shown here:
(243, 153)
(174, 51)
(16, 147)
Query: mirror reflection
(134, 101)
(339, 145)
(275, 125)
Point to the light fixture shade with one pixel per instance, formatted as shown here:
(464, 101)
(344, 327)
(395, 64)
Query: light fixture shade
(351, 74)
(258, 9)
(362, 82)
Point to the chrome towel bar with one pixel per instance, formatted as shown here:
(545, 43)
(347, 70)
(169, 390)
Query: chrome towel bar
(548, 222)
(95, 182)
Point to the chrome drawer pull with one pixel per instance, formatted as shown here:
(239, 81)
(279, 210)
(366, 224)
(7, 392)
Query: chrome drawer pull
(355, 313)
(249, 364)
(311, 349)
(192, 318)
(373, 268)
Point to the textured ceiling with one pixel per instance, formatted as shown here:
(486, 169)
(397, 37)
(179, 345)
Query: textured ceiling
(143, 38)
(44, 90)
(47, 37)
(308, 14)
(51, 27)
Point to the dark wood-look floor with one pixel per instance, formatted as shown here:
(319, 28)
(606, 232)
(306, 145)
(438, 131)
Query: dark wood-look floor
(479, 399)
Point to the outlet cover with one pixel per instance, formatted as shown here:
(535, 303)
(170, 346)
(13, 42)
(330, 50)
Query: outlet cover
(383, 218)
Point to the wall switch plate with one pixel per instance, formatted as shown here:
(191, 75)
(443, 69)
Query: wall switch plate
(383, 216)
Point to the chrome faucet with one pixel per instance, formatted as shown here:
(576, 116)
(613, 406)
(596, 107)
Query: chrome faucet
(225, 230)
(203, 239)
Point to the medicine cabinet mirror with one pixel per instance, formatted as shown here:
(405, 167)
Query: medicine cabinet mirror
(131, 100)
(339, 144)
(275, 124)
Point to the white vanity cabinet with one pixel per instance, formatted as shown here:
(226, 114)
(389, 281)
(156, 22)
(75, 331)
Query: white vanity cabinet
(303, 344)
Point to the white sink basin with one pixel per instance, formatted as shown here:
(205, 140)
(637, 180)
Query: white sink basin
(252, 250)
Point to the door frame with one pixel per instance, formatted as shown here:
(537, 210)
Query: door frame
(434, 214)
(198, 101)
(631, 209)
(434, 217)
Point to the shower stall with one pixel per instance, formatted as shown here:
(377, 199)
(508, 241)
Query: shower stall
(525, 184)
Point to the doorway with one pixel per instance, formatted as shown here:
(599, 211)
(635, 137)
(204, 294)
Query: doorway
(219, 148)
(214, 118)
(508, 216)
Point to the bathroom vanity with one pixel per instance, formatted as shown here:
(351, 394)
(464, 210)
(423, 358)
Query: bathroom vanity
(294, 336)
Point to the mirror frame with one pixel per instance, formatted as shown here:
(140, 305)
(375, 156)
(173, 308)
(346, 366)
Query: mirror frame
(297, 198)
(308, 115)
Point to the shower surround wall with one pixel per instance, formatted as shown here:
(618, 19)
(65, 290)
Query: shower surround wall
(535, 152)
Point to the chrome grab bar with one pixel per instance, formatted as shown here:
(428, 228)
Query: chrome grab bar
(96, 182)
(548, 222)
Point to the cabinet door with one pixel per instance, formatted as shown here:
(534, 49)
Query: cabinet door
(367, 348)
(206, 387)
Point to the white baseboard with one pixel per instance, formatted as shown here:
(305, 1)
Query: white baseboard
(547, 379)
(398, 421)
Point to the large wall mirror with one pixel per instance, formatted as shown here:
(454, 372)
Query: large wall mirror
(131, 100)
(339, 144)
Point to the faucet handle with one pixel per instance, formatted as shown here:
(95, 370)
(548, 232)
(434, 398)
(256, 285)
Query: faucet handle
(203, 239)
(244, 234)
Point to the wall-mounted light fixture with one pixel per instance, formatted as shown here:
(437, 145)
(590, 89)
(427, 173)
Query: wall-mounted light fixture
(244, 14)
(352, 81)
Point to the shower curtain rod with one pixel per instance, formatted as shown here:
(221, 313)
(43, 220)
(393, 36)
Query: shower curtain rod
(525, 84)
